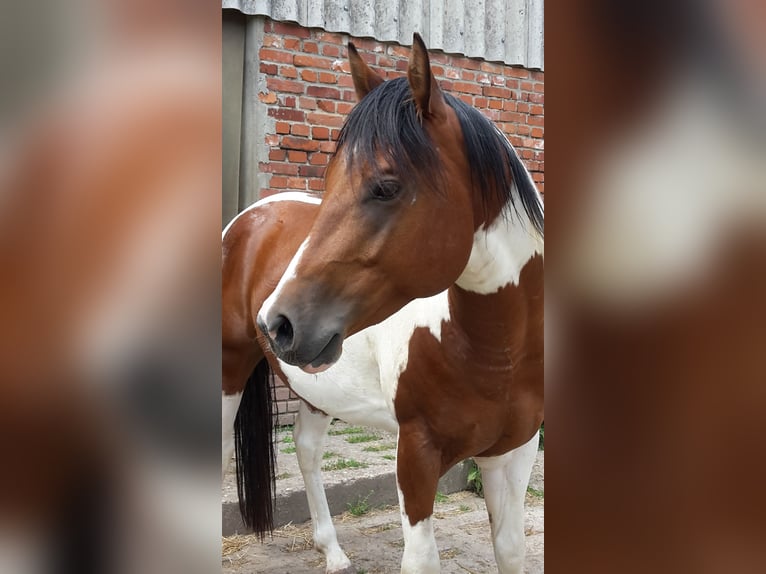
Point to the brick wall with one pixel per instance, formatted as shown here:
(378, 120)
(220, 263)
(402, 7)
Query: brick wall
(309, 91)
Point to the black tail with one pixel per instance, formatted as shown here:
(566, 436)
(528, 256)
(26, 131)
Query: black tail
(254, 447)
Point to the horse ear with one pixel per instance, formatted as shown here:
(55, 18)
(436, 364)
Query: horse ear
(429, 100)
(365, 80)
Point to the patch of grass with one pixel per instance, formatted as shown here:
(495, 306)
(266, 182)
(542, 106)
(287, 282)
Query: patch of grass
(347, 430)
(379, 447)
(535, 492)
(329, 455)
(360, 507)
(283, 475)
(288, 439)
(343, 463)
(357, 438)
(389, 456)
(464, 508)
(475, 483)
(441, 497)
(289, 450)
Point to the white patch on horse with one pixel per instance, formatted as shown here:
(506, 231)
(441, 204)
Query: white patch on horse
(284, 196)
(229, 408)
(499, 253)
(420, 552)
(360, 388)
(287, 276)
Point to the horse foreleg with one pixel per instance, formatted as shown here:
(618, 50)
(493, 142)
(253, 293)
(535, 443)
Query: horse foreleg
(505, 480)
(417, 477)
(309, 433)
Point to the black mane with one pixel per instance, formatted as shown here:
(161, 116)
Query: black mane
(384, 123)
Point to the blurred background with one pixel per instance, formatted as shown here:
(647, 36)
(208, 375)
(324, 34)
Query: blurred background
(110, 131)
(655, 284)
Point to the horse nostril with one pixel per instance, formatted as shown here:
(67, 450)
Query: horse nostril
(281, 332)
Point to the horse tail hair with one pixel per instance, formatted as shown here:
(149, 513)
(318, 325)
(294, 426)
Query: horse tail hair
(255, 454)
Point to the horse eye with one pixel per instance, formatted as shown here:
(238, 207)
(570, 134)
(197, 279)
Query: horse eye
(384, 190)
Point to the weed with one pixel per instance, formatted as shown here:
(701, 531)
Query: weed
(464, 508)
(289, 450)
(535, 492)
(389, 456)
(475, 483)
(441, 497)
(343, 463)
(329, 454)
(283, 475)
(360, 507)
(379, 447)
(357, 438)
(347, 430)
(288, 439)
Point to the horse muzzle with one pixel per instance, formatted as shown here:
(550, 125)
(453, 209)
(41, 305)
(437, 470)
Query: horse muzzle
(312, 347)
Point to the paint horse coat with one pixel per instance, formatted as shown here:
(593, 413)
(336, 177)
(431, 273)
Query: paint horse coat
(410, 298)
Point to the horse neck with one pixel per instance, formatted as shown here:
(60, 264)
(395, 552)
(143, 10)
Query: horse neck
(485, 300)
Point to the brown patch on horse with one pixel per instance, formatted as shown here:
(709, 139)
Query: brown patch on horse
(365, 79)
(485, 406)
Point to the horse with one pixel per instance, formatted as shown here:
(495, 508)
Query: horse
(408, 297)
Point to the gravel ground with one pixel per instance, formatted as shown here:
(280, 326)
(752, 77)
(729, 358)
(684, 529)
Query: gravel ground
(373, 540)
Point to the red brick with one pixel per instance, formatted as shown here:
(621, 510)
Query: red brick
(341, 66)
(311, 170)
(284, 85)
(277, 155)
(496, 92)
(492, 68)
(323, 92)
(287, 101)
(510, 105)
(331, 50)
(346, 81)
(304, 61)
(522, 107)
(344, 108)
(400, 51)
(267, 97)
(279, 168)
(297, 156)
(539, 87)
(517, 72)
(288, 29)
(270, 69)
(316, 184)
(385, 62)
(536, 132)
(272, 41)
(536, 120)
(349, 95)
(512, 117)
(329, 37)
(296, 182)
(330, 120)
(290, 142)
(402, 65)
(537, 98)
(480, 102)
(307, 103)
(287, 114)
(288, 72)
(292, 44)
(467, 63)
(452, 73)
(527, 86)
(498, 81)
(271, 139)
(278, 181)
(283, 128)
(466, 98)
(319, 158)
(334, 134)
(327, 147)
(310, 47)
(536, 110)
(326, 106)
(300, 130)
(439, 58)
(467, 75)
(483, 79)
(320, 133)
(522, 130)
(328, 78)
(271, 55)
(495, 104)
(308, 75)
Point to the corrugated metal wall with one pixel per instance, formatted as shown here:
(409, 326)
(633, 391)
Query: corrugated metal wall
(509, 31)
